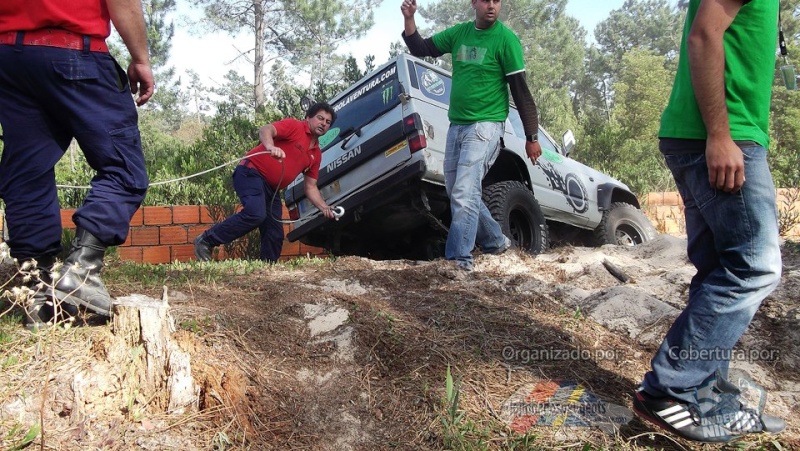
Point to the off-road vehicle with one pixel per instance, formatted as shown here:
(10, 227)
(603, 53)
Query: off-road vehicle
(383, 162)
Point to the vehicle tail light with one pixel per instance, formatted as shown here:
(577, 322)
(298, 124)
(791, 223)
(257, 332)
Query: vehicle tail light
(412, 127)
(293, 214)
(417, 142)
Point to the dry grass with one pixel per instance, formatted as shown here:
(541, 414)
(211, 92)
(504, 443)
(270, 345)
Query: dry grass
(266, 383)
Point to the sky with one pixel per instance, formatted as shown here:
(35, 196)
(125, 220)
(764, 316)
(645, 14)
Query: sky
(212, 55)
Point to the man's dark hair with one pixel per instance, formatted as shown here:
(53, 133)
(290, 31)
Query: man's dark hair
(315, 108)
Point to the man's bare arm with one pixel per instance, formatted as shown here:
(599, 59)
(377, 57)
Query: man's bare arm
(128, 20)
(707, 67)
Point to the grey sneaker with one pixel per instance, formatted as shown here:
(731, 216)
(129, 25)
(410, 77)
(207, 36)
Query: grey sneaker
(502, 249)
(202, 250)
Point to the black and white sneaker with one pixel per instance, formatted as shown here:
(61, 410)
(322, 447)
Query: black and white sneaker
(671, 414)
(727, 421)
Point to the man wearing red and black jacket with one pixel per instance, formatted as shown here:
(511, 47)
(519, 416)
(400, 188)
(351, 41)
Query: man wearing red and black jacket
(57, 83)
(288, 147)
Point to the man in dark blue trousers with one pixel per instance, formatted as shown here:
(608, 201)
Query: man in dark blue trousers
(58, 82)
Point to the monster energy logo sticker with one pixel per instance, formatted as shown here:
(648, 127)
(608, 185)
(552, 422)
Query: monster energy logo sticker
(387, 94)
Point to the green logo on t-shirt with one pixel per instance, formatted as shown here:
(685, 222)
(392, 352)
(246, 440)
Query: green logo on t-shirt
(471, 54)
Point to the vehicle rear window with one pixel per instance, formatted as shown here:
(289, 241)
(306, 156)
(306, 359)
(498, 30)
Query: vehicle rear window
(363, 104)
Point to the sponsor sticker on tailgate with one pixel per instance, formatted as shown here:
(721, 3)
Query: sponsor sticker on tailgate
(394, 149)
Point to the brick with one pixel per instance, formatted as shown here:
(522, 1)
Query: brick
(66, 219)
(185, 214)
(205, 218)
(655, 199)
(290, 249)
(195, 230)
(138, 218)
(144, 236)
(182, 252)
(132, 254)
(172, 235)
(672, 198)
(157, 215)
(156, 254)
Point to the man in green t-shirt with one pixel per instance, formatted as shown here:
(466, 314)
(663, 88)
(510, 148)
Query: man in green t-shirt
(487, 61)
(714, 136)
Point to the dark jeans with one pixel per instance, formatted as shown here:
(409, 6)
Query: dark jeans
(261, 209)
(48, 96)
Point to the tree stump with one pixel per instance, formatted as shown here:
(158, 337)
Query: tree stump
(163, 369)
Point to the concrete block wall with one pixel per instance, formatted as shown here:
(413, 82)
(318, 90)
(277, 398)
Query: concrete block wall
(166, 234)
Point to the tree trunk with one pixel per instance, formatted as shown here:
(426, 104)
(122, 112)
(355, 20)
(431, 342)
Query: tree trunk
(258, 63)
(146, 327)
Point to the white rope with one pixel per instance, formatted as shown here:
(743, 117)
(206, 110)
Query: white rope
(339, 212)
(187, 177)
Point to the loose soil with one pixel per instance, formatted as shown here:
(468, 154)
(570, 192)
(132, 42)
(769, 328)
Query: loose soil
(352, 354)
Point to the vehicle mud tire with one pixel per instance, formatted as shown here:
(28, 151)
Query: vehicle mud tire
(625, 225)
(517, 211)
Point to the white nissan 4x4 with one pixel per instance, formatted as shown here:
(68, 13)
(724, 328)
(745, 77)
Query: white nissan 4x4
(382, 162)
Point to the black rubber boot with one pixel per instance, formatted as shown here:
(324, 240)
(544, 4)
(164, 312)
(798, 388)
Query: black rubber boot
(79, 282)
(42, 310)
(202, 250)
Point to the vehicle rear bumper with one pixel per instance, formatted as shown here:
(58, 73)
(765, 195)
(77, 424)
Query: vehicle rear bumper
(369, 193)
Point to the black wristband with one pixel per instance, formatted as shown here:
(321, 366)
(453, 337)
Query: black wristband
(531, 138)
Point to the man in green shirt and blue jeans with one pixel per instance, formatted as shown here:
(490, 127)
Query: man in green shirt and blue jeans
(487, 61)
(714, 136)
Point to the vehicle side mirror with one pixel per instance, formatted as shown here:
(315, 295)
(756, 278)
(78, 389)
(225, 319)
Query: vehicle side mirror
(568, 142)
(306, 103)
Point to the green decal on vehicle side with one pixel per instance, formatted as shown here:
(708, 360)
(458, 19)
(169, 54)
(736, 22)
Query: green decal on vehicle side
(326, 139)
(549, 155)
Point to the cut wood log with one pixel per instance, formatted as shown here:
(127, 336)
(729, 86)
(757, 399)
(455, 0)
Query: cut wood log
(616, 272)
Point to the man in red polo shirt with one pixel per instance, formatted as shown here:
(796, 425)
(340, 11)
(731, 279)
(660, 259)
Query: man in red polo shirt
(59, 83)
(288, 147)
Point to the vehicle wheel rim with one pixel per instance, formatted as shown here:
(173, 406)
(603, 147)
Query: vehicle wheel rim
(520, 230)
(627, 234)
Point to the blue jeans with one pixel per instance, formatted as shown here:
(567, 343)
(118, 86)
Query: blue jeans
(733, 244)
(260, 208)
(469, 153)
(48, 96)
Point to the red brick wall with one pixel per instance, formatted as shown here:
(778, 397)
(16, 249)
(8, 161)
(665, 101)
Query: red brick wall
(166, 234)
